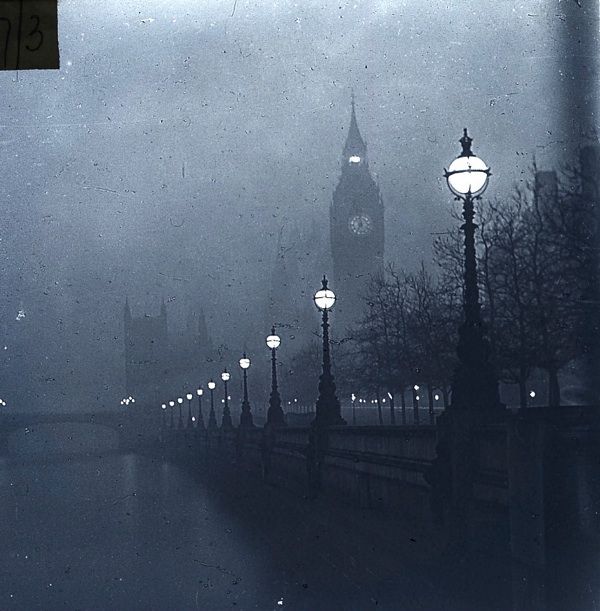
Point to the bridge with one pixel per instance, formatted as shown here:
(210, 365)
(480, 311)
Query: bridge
(48, 432)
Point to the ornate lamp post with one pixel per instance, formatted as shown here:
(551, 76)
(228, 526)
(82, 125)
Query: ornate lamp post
(275, 416)
(246, 421)
(212, 418)
(190, 422)
(475, 385)
(180, 421)
(226, 422)
(172, 406)
(200, 423)
(328, 409)
(163, 420)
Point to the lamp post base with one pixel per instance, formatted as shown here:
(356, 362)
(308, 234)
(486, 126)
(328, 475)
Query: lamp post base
(275, 415)
(328, 409)
(246, 420)
(475, 385)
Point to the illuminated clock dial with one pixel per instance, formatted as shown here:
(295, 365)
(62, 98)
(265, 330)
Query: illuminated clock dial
(360, 224)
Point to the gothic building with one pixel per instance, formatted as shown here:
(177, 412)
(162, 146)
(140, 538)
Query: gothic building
(146, 344)
(159, 367)
(357, 230)
(300, 259)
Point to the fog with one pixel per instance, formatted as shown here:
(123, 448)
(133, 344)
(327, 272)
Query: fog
(180, 141)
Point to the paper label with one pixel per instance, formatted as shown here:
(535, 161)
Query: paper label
(29, 34)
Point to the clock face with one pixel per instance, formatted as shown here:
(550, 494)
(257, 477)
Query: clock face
(360, 224)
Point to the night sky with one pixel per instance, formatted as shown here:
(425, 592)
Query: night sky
(179, 137)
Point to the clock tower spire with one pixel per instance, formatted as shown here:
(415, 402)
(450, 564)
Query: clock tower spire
(356, 228)
(355, 146)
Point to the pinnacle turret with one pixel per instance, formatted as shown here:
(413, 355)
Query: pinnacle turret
(355, 149)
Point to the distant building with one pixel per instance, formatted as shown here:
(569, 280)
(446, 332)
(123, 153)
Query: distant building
(356, 230)
(300, 260)
(158, 369)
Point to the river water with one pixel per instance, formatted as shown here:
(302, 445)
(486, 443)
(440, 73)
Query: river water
(127, 532)
(120, 532)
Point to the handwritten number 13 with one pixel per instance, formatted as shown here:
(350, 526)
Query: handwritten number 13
(36, 32)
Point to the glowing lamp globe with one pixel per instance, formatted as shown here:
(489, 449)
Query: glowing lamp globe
(324, 299)
(211, 385)
(171, 403)
(179, 400)
(189, 396)
(273, 341)
(225, 376)
(199, 392)
(163, 406)
(244, 362)
(467, 174)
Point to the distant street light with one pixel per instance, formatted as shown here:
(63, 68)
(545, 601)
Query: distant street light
(200, 420)
(328, 408)
(180, 421)
(246, 421)
(172, 406)
(475, 386)
(353, 397)
(212, 418)
(226, 422)
(275, 416)
(190, 422)
(163, 420)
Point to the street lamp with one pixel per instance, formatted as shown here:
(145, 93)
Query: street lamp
(246, 421)
(275, 416)
(353, 397)
(328, 409)
(200, 419)
(172, 406)
(180, 422)
(226, 423)
(190, 422)
(475, 385)
(163, 421)
(416, 389)
(212, 418)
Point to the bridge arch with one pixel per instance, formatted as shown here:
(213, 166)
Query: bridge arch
(47, 438)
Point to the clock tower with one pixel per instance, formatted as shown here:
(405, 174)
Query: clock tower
(357, 230)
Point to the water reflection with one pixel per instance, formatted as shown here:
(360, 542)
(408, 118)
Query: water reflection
(131, 532)
(113, 532)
